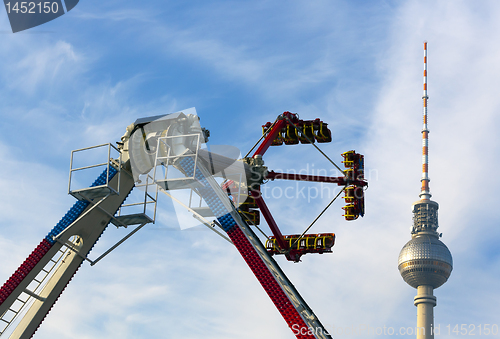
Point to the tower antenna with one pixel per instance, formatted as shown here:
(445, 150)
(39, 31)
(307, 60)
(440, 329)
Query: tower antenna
(425, 193)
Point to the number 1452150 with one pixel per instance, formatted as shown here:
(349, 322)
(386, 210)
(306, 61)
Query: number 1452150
(471, 329)
(32, 8)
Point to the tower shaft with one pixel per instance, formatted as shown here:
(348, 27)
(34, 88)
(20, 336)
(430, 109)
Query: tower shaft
(425, 302)
(425, 193)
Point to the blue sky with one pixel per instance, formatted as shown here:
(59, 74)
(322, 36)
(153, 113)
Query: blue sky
(81, 79)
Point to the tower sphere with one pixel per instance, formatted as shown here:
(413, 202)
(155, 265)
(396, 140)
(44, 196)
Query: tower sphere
(425, 260)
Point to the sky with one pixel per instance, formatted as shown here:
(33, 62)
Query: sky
(81, 79)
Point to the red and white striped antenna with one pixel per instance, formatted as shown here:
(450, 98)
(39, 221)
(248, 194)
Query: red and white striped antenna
(425, 193)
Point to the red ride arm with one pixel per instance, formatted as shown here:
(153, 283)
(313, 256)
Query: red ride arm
(270, 137)
(314, 178)
(269, 219)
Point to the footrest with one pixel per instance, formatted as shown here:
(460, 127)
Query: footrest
(91, 193)
(131, 219)
(205, 212)
(179, 184)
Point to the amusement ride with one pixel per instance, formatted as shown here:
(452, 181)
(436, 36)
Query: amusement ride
(167, 154)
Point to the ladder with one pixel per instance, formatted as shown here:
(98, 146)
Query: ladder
(30, 293)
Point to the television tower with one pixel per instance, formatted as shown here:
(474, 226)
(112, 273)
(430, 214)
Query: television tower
(425, 262)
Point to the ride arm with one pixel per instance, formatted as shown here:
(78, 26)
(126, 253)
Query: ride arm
(271, 135)
(341, 181)
(256, 194)
(88, 226)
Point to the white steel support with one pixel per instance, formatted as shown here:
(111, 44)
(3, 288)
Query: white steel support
(88, 229)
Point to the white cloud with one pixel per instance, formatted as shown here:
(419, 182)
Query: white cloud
(46, 66)
(129, 14)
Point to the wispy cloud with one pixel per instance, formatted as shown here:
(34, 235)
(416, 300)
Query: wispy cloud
(43, 67)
